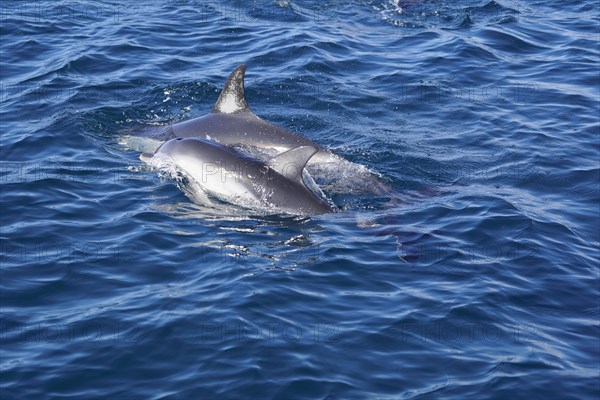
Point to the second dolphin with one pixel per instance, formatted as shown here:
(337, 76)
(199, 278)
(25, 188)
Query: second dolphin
(232, 176)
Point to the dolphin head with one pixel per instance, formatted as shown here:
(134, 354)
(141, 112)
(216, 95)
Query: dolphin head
(179, 150)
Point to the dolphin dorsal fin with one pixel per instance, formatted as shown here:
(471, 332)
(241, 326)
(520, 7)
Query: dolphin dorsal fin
(291, 163)
(232, 99)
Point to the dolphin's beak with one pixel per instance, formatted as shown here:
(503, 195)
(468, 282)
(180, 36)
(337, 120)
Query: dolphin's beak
(146, 157)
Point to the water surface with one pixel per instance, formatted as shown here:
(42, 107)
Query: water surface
(477, 277)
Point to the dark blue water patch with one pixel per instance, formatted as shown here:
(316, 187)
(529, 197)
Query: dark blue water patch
(474, 275)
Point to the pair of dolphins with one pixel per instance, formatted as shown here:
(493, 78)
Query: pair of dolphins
(201, 148)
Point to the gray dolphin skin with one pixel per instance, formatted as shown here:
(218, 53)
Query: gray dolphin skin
(238, 178)
(231, 122)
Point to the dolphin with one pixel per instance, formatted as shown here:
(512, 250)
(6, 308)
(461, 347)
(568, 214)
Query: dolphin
(231, 122)
(235, 177)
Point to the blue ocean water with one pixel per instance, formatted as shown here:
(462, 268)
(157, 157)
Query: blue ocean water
(476, 278)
